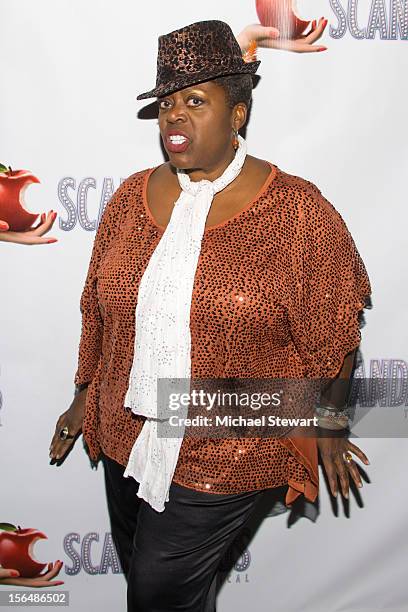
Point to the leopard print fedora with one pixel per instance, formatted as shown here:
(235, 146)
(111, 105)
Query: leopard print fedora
(195, 53)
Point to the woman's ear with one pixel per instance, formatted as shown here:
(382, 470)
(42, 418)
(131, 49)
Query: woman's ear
(240, 115)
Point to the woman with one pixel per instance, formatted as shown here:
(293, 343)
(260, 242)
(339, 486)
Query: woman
(277, 288)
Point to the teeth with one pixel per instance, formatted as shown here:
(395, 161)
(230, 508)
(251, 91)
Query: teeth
(177, 139)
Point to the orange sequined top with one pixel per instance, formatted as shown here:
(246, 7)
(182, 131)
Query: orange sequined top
(277, 293)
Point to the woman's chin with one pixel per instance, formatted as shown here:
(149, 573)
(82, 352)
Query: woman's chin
(181, 162)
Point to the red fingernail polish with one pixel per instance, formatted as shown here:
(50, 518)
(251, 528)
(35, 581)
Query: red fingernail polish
(14, 573)
(322, 49)
(52, 240)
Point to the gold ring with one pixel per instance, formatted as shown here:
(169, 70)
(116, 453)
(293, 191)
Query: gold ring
(348, 457)
(63, 434)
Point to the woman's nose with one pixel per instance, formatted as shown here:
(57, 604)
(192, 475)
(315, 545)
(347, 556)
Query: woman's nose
(177, 112)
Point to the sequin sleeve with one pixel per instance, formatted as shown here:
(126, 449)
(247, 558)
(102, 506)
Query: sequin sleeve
(330, 289)
(92, 322)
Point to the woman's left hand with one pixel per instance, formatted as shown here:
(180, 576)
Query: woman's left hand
(268, 37)
(335, 466)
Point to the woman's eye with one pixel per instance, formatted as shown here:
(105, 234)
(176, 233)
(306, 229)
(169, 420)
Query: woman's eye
(192, 101)
(195, 100)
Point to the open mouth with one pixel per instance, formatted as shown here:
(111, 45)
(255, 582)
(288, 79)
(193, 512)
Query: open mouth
(177, 143)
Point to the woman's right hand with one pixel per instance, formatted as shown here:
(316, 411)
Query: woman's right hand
(72, 419)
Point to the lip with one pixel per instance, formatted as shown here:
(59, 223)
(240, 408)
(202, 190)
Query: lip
(174, 147)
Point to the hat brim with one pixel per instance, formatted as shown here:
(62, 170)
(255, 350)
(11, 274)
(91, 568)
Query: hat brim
(192, 79)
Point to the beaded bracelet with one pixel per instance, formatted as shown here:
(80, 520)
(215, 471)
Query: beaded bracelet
(332, 418)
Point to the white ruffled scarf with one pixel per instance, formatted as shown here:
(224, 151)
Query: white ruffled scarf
(162, 329)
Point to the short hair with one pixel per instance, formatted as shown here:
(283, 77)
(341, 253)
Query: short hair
(238, 88)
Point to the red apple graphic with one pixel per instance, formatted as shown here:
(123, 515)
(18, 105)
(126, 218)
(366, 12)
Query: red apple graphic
(13, 184)
(281, 14)
(16, 548)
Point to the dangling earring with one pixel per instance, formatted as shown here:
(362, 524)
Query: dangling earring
(235, 141)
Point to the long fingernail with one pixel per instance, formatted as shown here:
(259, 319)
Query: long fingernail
(51, 240)
(322, 49)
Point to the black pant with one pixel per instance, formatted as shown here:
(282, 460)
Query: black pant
(170, 558)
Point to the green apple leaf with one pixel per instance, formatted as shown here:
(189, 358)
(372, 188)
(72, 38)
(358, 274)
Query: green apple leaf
(3, 168)
(7, 527)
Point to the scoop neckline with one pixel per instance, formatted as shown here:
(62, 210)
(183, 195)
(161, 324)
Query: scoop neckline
(272, 174)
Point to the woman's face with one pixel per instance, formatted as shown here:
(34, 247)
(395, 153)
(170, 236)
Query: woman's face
(196, 126)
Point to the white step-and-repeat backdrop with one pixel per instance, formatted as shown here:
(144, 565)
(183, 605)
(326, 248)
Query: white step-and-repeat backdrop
(70, 73)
